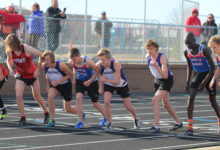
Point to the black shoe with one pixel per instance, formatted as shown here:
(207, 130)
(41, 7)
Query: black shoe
(153, 130)
(188, 133)
(176, 126)
(22, 121)
(3, 114)
(46, 118)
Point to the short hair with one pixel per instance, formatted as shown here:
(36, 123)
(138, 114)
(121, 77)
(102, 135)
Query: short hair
(12, 43)
(74, 52)
(37, 6)
(104, 52)
(151, 43)
(214, 40)
(49, 53)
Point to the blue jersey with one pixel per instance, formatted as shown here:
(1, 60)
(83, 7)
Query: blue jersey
(154, 72)
(109, 74)
(55, 73)
(218, 62)
(83, 73)
(199, 62)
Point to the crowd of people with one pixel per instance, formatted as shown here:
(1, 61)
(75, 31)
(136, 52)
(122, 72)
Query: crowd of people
(107, 75)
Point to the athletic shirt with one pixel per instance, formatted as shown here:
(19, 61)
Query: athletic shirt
(55, 74)
(109, 74)
(83, 73)
(218, 62)
(199, 62)
(154, 71)
(24, 64)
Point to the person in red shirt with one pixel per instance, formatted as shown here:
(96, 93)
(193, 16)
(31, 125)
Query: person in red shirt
(26, 73)
(194, 21)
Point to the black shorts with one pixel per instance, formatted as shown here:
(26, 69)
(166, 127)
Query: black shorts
(2, 83)
(92, 90)
(65, 90)
(163, 84)
(122, 91)
(28, 82)
(198, 78)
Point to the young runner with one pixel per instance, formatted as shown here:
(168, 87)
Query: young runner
(58, 76)
(85, 79)
(113, 77)
(158, 65)
(26, 73)
(200, 61)
(3, 78)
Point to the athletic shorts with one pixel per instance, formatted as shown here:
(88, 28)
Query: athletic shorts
(2, 83)
(122, 91)
(28, 82)
(198, 78)
(92, 90)
(65, 90)
(163, 84)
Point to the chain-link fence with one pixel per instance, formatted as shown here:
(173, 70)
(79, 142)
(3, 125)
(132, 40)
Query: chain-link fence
(124, 39)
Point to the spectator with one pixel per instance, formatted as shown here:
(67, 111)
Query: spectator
(104, 25)
(209, 31)
(53, 27)
(7, 29)
(35, 26)
(194, 21)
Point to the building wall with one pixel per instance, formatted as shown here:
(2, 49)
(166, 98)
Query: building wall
(139, 78)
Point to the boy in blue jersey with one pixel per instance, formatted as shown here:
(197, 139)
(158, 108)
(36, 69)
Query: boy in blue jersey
(163, 82)
(200, 61)
(85, 79)
(58, 81)
(113, 78)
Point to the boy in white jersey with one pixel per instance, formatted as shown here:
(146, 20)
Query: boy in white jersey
(85, 79)
(158, 65)
(113, 77)
(58, 76)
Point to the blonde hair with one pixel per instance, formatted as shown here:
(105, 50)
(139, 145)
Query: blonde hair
(12, 43)
(49, 53)
(104, 52)
(214, 40)
(151, 43)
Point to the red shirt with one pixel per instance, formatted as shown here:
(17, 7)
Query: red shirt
(24, 64)
(193, 21)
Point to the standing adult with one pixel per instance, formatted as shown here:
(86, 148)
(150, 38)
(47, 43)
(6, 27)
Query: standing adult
(35, 26)
(209, 29)
(26, 73)
(194, 20)
(103, 29)
(53, 27)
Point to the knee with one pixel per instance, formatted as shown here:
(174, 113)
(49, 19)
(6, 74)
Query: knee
(19, 97)
(155, 100)
(107, 103)
(67, 108)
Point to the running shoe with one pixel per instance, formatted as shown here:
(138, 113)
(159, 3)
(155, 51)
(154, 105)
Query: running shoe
(79, 125)
(188, 133)
(176, 126)
(46, 118)
(51, 123)
(3, 114)
(153, 130)
(22, 121)
(109, 127)
(137, 124)
(103, 122)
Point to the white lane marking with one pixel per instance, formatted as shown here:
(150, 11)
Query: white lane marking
(181, 146)
(9, 147)
(98, 142)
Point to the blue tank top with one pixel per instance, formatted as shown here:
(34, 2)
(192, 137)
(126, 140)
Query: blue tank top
(154, 72)
(218, 62)
(109, 74)
(55, 74)
(83, 73)
(199, 62)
